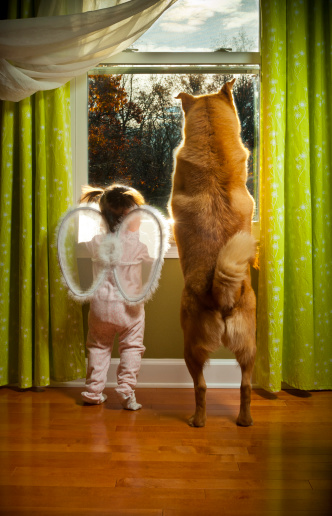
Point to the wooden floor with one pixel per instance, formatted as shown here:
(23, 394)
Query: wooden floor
(60, 457)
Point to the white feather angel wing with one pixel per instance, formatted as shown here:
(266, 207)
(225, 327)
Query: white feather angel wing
(130, 261)
(77, 231)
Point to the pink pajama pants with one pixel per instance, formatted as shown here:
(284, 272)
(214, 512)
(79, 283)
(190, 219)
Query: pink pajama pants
(130, 329)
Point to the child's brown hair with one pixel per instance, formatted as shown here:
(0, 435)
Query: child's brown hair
(113, 201)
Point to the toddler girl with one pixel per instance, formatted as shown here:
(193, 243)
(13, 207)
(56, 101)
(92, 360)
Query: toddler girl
(109, 314)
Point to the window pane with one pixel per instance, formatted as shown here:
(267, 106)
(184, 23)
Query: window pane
(135, 123)
(204, 26)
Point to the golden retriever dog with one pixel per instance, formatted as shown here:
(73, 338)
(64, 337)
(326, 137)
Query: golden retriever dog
(212, 211)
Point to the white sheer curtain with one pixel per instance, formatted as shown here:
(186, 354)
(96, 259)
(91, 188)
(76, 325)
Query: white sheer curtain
(46, 52)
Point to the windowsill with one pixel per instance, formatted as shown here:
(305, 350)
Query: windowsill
(172, 251)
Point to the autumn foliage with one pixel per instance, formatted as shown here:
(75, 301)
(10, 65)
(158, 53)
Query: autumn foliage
(108, 141)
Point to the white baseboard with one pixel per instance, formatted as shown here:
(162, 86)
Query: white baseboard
(173, 373)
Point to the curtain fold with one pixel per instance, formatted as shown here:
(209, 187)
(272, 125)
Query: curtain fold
(294, 325)
(41, 335)
(38, 54)
(41, 331)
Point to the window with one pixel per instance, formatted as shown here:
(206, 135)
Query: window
(195, 47)
(135, 124)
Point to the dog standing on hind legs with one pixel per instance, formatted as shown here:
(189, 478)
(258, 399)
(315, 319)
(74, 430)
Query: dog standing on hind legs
(212, 211)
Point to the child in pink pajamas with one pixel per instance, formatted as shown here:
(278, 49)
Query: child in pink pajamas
(109, 314)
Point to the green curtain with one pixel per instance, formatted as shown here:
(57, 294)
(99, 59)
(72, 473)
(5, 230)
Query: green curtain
(294, 327)
(41, 331)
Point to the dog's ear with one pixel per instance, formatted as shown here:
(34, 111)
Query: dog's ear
(227, 88)
(187, 101)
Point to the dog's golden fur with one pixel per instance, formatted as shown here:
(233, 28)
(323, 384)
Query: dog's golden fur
(212, 211)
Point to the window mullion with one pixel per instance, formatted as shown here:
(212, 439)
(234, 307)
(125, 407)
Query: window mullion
(185, 58)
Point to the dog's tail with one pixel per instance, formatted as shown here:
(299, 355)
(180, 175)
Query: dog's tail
(232, 268)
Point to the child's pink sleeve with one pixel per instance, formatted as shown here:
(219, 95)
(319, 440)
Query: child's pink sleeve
(144, 254)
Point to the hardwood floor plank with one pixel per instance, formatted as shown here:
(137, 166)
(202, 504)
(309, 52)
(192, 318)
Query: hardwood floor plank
(174, 498)
(191, 457)
(320, 484)
(102, 498)
(60, 511)
(307, 495)
(58, 459)
(286, 465)
(96, 476)
(222, 403)
(285, 449)
(55, 476)
(248, 511)
(6, 472)
(221, 438)
(211, 483)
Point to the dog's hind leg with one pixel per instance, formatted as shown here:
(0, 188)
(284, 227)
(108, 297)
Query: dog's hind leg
(240, 337)
(202, 331)
(246, 361)
(195, 361)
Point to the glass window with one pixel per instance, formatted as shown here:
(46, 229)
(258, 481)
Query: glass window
(135, 124)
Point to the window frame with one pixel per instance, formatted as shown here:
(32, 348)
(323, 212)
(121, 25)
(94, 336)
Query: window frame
(169, 62)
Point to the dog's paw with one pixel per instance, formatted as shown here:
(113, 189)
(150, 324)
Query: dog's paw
(244, 420)
(196, 422)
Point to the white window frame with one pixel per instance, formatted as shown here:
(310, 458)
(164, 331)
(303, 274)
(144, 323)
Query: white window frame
(178, 62)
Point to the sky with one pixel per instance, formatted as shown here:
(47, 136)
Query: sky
(202, 26)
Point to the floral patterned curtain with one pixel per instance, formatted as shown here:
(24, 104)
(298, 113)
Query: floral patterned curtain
(41, 331)
(295, 296)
